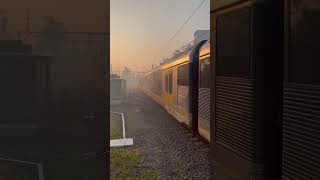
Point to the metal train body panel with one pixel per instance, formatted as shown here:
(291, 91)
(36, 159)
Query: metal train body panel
(301, 91)
(204, 92)
(176, 100)
(246, 88)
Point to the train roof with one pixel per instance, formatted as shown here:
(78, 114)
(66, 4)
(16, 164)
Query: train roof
(175, 61)
(205, 50)
(179, 60)
(182, 58)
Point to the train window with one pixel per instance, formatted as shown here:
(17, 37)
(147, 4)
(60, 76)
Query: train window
(183, 75)
(151, 82)
(304, 55)
(154, 88)
(166, 83)
(170, 83)
(159, 82)
(233, 44)
(205, 73)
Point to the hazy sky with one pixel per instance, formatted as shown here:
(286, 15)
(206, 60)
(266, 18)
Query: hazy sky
(140, 29)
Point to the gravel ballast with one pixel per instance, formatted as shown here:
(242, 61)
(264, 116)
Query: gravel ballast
(168, 148)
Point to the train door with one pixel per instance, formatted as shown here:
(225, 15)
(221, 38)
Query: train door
(168, 94)
(174, 87)
(183, 89)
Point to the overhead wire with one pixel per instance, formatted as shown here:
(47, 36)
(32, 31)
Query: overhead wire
(188, 19)
(194, 2)
(183, 25)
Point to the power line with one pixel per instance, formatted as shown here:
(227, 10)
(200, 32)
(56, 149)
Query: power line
(189, 18)
(182, 26)
(194, 2)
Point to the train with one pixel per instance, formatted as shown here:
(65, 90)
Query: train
(263, 88)
(178, 84)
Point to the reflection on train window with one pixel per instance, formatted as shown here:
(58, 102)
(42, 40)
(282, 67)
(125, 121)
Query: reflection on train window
(304, 42)
(233, 44)
(183, 75)
(156, 82)
(149, 82)
(168, 83)
(159, 82)
(153, 87)
(205, 73)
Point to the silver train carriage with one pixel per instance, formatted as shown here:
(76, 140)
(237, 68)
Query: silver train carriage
(176, 86)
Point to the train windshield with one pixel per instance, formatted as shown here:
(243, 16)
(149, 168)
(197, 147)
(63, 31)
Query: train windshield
(204, 81)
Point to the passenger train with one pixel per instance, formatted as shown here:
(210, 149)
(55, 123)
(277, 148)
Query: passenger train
(262, 84)
(180, 84)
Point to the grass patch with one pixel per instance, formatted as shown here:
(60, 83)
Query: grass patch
(149, 174)
(115, 126)
(157, 156)
(125, 165)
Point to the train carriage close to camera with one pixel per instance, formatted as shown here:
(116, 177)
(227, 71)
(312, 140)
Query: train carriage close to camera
(246, 88)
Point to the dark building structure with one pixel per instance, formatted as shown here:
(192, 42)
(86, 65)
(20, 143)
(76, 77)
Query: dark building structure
(54, 100)
(25, 104)
(4, 34)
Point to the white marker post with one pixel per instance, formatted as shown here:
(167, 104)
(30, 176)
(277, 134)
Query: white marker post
(124, 141)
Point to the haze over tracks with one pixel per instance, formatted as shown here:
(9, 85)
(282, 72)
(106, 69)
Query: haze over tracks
(167, 147)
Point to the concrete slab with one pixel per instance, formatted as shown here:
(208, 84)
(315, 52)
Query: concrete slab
(121, 142)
